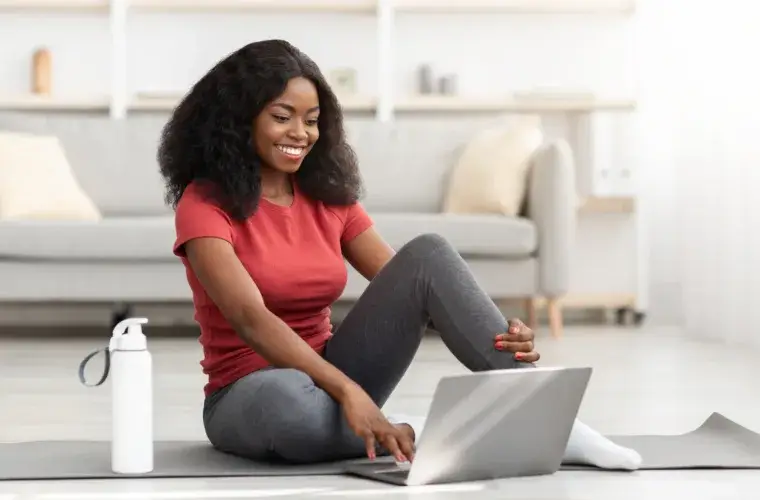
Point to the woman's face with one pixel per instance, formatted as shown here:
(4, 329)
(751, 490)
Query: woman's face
(286, 129)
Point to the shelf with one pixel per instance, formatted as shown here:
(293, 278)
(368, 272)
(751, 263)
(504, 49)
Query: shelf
(346, 6)
(52, 103)
(349, 103)
(525, 105)
(432, 104)
(608, 205)
(166, 103)
(358, 103)
(153, 103)
(54, 4)
(518, 6)
(339, 6)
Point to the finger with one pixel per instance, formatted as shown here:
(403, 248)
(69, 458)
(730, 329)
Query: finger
(527, 331)
(391, 444)
(512, 330)
(521, 334)
(524, 347)
(369, 440)
(515, 325)
(513, 337)
(516, 337)
(528, 357)
(407, 446)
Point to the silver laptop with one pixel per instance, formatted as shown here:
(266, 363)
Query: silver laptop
(491, 425)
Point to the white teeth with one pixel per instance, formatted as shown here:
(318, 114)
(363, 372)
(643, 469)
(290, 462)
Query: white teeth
(291, 150)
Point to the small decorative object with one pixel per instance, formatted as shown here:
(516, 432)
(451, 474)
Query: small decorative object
(42, 72)
(447, 85)
(343, 80)
(425, 79)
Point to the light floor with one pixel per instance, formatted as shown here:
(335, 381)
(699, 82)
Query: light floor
(645, 381)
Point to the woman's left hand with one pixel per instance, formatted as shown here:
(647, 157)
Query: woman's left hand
(518, 340)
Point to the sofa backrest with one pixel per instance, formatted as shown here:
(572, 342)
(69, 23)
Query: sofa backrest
(405, 164)
(113, 160)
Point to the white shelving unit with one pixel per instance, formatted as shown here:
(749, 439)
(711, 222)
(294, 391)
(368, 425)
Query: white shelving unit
(385, 105)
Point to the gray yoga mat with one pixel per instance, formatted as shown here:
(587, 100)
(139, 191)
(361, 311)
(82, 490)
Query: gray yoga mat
(718, 443)
(36, 460)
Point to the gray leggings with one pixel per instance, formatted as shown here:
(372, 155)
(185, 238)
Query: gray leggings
(279, 414)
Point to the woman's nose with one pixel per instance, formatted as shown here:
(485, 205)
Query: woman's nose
(298, 132)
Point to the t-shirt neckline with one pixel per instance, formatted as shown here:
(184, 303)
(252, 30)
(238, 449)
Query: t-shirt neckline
(284, 208)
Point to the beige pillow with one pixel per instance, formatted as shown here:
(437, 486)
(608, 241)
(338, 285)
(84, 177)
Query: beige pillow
(37, 182)
(491, 175)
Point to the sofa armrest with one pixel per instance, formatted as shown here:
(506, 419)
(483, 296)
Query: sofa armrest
(552, 206)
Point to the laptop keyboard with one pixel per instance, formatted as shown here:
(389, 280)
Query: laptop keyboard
(401, 473)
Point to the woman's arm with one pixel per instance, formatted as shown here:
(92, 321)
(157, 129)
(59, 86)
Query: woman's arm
(368, 253)
(229, 285)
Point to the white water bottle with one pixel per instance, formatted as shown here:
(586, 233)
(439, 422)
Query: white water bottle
(131, 399)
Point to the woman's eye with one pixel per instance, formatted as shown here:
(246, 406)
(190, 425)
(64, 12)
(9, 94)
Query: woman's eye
(312, 123)
(280, 118)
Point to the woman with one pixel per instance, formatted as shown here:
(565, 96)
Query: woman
(266, 190)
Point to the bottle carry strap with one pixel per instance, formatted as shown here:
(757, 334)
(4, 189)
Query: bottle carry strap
(106, 367)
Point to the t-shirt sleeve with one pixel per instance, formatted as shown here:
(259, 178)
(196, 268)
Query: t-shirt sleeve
(356, 222)
(197, 216)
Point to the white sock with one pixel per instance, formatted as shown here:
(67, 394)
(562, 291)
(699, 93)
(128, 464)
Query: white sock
(587, 447)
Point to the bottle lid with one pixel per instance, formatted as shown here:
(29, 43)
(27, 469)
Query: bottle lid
(128, 336)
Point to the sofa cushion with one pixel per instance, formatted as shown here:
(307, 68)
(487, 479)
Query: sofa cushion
(113, 160)
(491, 175)
(125, 238)
(151, 238)
(421, 151)
(36, 181)
(472, 235)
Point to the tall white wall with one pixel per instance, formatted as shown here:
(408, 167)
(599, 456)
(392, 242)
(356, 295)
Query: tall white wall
(717, 166)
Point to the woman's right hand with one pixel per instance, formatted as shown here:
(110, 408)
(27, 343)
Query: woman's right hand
(369, 423)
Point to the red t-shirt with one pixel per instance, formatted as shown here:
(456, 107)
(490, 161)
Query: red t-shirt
(293, 255)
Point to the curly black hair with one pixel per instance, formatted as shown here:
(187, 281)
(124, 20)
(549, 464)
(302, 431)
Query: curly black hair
(209, 136)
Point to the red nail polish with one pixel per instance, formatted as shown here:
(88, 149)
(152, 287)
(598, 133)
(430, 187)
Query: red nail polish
(518, 355)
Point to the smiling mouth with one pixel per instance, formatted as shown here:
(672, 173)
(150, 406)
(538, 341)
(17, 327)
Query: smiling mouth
(292, 151)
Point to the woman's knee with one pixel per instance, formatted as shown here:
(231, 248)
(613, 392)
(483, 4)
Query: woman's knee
(425, 245)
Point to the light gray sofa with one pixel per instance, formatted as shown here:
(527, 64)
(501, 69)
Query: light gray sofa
(127, 256)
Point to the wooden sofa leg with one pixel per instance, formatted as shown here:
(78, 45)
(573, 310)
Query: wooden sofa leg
(530, 313)
(554, 309)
